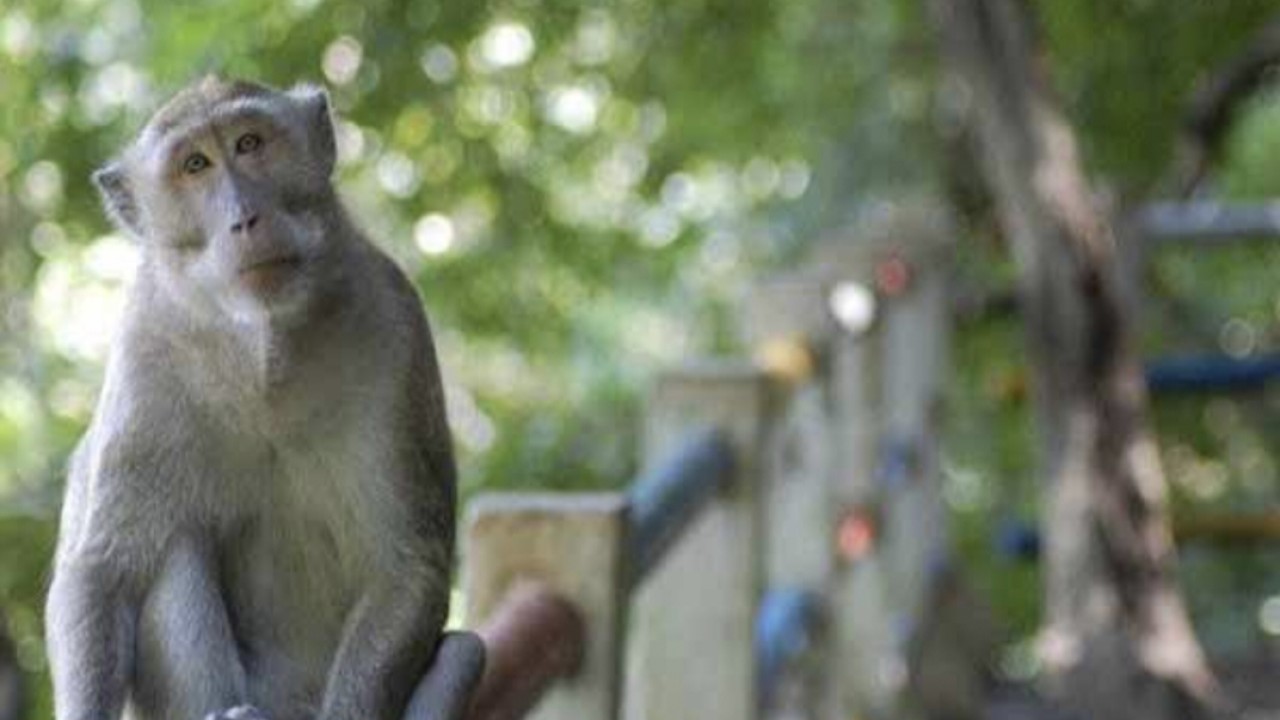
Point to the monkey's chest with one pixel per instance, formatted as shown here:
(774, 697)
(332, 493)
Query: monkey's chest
(297, 565)
(288, 592)
(288, 588)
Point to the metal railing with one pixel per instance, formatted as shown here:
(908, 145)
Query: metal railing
(536, 636)
(1205, 221)
(533, 639)
(666, 500)
(591, 553)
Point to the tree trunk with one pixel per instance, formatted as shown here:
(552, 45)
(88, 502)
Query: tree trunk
(1117, 642)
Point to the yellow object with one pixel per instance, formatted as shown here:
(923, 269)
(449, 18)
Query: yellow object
(791, 360)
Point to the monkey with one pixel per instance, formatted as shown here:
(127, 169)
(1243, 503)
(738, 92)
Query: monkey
(258, 521)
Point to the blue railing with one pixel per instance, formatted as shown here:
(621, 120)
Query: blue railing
(1212, 373)
(666, 499)
(1209, 221)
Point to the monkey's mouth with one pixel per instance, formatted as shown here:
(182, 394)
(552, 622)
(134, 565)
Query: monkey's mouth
(269, 275)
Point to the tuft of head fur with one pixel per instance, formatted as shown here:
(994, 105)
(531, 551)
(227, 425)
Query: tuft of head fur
(198, 97)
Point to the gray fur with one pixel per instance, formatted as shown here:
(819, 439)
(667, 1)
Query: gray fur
(260, 517)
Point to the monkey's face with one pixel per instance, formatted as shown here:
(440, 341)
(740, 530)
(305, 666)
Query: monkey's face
(228, 188)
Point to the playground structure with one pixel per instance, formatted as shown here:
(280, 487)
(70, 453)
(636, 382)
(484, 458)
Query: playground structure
(784, 553)
(780, 554)
(1206, 224)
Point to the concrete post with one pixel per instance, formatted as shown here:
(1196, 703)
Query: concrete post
(691, 651)
(572, 545)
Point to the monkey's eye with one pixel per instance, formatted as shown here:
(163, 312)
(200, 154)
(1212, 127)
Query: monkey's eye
(248, 142)
(195, 163)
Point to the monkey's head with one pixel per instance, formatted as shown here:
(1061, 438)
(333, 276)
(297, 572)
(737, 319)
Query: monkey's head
(228, 190)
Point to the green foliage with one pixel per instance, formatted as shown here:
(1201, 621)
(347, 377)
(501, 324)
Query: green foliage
(26, 546)
(577, 188)
(1127, 68)
(1249, 168)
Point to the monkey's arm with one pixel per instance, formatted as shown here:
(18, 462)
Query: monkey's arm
(89, 624)
(391, 634)
(390, 637)
(444, 693)
(188, 664)
(386, 646)
(89, 613)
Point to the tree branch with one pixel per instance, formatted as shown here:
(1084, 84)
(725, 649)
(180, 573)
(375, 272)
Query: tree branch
(1216, 102)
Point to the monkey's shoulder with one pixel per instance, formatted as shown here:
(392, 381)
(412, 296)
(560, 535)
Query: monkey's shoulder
(144, 384)
(406, 311)
(150, 433)
(120, 484)
(419, 390)
(398, 304)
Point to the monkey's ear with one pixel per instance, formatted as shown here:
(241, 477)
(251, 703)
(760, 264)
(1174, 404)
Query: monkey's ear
(118, 198)
(314, 101)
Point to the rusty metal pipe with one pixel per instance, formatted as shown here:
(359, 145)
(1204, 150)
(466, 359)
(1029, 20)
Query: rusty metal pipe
(534, 638)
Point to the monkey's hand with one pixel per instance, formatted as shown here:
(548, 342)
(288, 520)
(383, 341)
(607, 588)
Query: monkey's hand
(445, 693)
(240, 712)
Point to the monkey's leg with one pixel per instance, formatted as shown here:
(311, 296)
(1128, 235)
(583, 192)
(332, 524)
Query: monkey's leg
(445, 691)
(188, 661)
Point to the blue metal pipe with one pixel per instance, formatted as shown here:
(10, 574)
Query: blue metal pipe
(666, 499)
(1209, 221)
(788, 624)
(899, 457)
(1207, 373)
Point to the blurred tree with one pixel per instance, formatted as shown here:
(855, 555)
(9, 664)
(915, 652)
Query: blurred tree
(1118, 639)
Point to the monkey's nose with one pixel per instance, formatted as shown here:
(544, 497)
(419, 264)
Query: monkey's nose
(245, 225)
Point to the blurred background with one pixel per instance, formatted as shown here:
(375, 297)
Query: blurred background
(583, 192)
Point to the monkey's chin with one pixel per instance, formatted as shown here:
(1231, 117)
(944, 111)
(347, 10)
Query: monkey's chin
(268, 279)
(274, 291)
